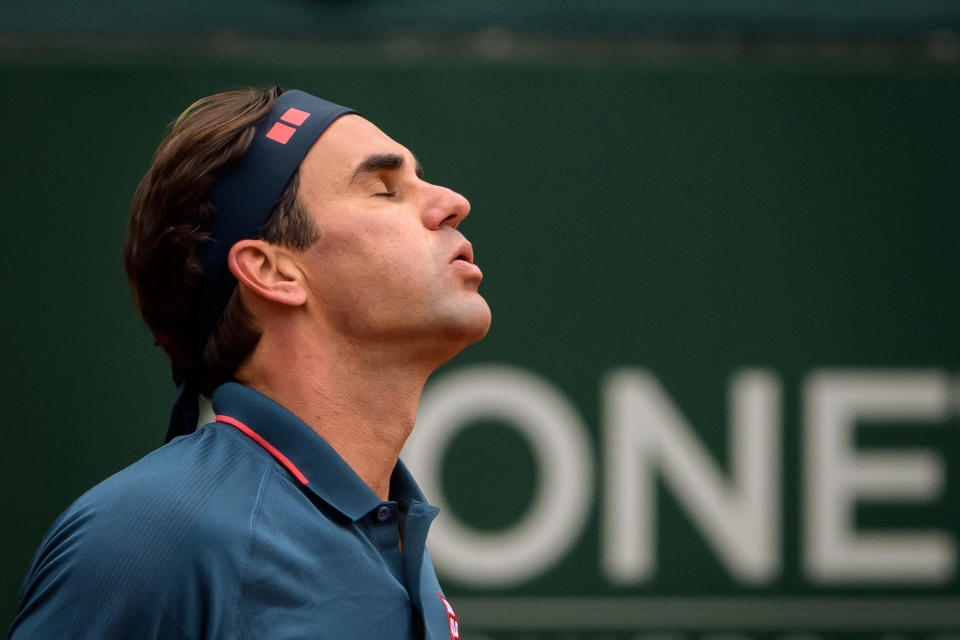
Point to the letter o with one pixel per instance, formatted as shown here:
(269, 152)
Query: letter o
(558, 438)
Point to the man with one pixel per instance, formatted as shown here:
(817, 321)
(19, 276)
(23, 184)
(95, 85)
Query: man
(292, 261)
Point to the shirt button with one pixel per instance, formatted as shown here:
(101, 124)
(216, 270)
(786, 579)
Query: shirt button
(384, 513)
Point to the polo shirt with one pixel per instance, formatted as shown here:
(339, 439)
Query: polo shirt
(251, 527)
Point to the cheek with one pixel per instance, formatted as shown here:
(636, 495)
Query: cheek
(375, 256)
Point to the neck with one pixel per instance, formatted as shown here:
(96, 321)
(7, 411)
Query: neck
(361, 401)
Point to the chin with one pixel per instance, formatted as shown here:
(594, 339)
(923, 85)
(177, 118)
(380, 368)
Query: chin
(479, 321)
(467, 326)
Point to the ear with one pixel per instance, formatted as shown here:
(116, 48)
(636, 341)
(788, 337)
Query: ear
(268, 271)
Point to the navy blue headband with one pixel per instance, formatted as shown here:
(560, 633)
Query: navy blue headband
(244, 197)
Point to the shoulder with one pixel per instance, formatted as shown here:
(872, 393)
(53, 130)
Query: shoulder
(163, 494)
(158, 534)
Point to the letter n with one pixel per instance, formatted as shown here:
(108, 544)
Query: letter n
(646, 438)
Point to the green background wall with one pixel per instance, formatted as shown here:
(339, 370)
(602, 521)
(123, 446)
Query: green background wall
(338, 18)
(691, 219)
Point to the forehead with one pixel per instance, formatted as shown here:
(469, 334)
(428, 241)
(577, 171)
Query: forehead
(344, 145)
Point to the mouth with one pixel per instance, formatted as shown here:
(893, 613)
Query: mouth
(463, 259)
(464, 253)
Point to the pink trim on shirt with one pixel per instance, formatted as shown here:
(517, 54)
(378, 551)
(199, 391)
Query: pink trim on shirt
(256, 437)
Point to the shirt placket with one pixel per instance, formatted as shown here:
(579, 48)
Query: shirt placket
(415, 526)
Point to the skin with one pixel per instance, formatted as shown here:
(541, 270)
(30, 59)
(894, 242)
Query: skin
(354, 325)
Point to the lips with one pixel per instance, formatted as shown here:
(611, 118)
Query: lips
(463, 259)
(464, 252)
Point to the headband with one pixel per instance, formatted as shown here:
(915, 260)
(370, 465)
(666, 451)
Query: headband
(244, 197)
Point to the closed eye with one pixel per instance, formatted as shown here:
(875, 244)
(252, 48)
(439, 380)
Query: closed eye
(377, 163)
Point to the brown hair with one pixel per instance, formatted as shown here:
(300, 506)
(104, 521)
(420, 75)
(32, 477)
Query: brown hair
(168, 218)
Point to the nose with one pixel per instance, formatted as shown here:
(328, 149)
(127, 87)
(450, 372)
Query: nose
(447, 208)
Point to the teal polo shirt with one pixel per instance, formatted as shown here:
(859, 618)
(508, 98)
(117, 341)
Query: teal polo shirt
(251, 527)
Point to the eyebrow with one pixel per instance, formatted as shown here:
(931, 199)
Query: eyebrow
(381, 161)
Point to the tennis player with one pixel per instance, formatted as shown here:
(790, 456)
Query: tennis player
(297, 268)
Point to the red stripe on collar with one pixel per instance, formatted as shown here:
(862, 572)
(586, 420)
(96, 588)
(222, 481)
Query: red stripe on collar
(256, 437)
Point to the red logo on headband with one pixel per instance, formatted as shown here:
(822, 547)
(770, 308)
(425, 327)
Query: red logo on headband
(282, 133)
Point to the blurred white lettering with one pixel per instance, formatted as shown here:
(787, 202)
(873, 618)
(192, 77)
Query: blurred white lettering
(737, 506)
(558, 438)
(837, 476)
(645, 434)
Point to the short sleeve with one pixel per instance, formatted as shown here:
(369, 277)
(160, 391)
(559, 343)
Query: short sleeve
(83, 584)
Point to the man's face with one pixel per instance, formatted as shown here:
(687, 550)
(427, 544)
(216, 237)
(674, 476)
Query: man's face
(390, 265)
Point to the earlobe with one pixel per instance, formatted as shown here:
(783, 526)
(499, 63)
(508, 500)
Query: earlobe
(266, 270)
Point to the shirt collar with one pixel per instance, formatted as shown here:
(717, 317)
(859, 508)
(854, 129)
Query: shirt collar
(328, 475)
